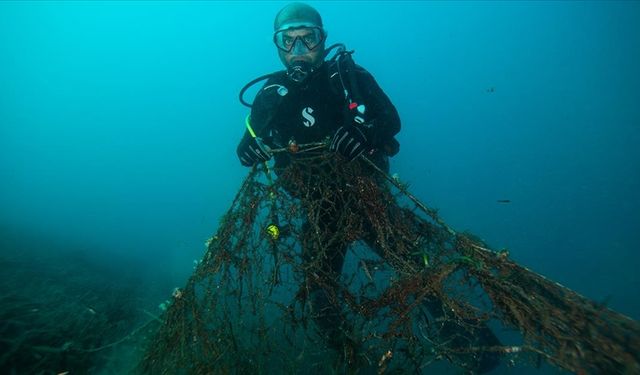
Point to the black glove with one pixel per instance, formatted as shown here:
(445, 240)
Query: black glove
(349, 141)
(252, 151)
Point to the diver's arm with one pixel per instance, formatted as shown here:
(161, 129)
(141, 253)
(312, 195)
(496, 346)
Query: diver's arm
(254, 146)
(262, 110)
(380, 113)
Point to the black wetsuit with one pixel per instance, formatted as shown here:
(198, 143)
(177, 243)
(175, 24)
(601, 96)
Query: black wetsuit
(312, 111)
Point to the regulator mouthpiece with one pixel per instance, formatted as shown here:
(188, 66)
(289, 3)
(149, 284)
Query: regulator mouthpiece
(299, 71)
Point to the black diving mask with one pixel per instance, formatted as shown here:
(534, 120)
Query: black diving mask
(299, 39)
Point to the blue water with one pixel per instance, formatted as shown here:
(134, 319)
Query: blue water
(119, 122)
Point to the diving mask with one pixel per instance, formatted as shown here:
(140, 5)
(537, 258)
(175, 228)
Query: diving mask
(298, 40)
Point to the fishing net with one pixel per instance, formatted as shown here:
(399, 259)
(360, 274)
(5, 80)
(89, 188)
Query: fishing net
(327, 266)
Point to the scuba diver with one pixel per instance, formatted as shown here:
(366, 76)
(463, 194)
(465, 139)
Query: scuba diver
(306, 103)
(317, 99)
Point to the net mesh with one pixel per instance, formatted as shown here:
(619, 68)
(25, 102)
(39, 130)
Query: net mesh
(336, 267)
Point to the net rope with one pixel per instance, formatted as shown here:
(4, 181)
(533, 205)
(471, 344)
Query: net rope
(331, 266)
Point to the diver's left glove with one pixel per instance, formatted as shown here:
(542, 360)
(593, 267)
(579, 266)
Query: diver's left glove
(252, 151)
(349, 141)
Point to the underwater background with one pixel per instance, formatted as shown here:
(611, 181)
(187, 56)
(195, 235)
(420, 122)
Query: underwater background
(119, 123)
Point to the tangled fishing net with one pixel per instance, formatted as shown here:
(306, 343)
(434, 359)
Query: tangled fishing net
(271, 294)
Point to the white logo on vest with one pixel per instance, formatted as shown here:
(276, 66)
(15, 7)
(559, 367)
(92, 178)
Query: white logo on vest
(310, 120)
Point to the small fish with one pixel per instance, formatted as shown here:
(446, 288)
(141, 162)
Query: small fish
(504, 201)
(491, 89)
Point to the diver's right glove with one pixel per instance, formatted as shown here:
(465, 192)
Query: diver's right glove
(252, 151)
(349, 141)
